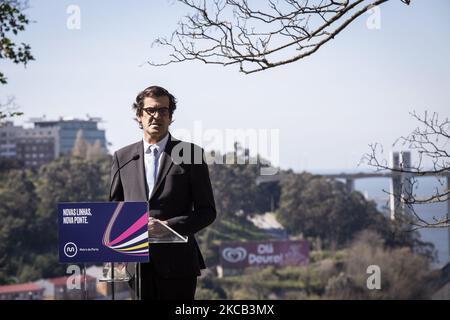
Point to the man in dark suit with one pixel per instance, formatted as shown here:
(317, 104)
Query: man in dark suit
(173, 177)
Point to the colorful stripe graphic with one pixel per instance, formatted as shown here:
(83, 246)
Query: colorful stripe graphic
(133, 241)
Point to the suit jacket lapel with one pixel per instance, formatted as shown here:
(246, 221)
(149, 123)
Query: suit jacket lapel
(166, 164)
(140, 177)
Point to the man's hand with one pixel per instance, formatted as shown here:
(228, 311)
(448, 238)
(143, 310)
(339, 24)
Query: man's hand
(155, 229)
(152, 222)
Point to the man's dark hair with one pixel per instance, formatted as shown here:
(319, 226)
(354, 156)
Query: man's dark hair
(153, 91)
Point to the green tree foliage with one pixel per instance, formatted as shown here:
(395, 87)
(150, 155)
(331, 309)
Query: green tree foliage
(7, 164)
(315, 207)
(326, 209)
(208, 288)
(19, 239)
(320, 208)
(333, 275)
(225, 229)
(67, 179)
(403, 274)
(13, 21)
(235, 189)
(398, 233)
(28, 249)
(267, 283)
(237, 196)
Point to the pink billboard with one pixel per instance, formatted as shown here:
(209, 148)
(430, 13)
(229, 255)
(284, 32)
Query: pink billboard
(239, 255)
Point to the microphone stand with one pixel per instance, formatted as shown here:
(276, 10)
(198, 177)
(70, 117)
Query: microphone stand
(135, 157)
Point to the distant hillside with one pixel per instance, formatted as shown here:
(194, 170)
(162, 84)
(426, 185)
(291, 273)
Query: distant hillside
(228, 229)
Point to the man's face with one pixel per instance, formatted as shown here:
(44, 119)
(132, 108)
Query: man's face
(155, 118)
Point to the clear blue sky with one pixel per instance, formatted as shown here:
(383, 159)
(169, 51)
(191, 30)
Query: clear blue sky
(356, 90)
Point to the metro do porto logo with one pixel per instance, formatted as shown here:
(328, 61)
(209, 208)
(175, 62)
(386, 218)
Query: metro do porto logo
(70, 249)
(234, 255)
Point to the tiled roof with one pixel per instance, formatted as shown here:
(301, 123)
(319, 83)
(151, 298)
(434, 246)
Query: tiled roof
(22, 287)
(61, 281)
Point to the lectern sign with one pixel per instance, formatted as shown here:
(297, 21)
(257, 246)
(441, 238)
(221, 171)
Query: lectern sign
(103, 232)
(239, 255)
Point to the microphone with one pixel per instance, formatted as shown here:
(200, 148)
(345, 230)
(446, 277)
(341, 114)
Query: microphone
(135, 157)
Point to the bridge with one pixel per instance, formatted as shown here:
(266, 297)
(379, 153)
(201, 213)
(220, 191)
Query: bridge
(400, 183)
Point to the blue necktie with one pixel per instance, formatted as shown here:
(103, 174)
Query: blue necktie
(152, 168)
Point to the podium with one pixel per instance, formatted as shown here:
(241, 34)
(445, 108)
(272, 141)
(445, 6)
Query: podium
(111, 233)
(158, 232)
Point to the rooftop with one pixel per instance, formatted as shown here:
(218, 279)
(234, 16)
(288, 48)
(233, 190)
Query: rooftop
(61, 281)
(64, 119)
(22, 287)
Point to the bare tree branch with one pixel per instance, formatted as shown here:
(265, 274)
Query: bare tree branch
(431, 142)
(260, 35)
(8, 109)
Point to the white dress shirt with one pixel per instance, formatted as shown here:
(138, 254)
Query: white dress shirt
(160, 146)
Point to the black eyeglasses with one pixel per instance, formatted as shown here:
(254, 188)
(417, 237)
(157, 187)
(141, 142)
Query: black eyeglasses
(152, 111)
